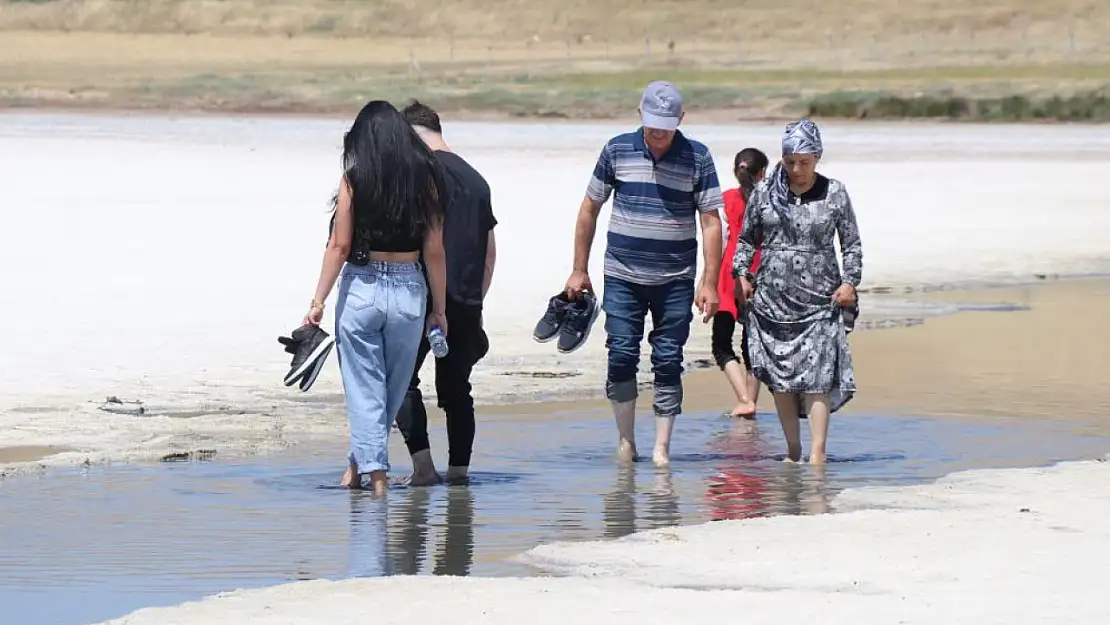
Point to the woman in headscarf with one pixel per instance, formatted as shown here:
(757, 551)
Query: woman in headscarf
(796, 335)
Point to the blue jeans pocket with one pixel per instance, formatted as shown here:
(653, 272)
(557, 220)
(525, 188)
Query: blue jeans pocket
(411, 300)
(359, 292)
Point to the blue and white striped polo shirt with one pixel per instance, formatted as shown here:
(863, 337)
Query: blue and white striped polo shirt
(653, 228)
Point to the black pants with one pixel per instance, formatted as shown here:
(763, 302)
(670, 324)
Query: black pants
(467, 344)
(724, 326)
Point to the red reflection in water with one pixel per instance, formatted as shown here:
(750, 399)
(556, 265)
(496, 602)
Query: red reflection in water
(736, 491)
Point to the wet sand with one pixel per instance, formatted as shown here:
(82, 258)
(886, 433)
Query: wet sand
(1042, 363)
(27, 453)
(1048, 362)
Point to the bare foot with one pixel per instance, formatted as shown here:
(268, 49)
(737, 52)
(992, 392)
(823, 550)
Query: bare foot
(794, 455)
(424, 479)
(744, 409)
(351, 478)
(380, 483)
(456, 475)
(626, 451)
(423, 470)
(661, 455)
(817, 457)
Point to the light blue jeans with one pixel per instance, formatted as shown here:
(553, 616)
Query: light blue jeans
(378, 326)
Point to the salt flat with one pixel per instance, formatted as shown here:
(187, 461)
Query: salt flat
(158, 258)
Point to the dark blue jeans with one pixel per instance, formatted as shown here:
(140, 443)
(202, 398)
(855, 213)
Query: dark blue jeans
(626, 307)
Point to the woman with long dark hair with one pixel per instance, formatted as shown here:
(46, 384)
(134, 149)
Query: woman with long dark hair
(388, 217)
(749, 167)
(797, 337)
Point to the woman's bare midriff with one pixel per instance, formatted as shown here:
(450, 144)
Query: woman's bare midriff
(395, 257)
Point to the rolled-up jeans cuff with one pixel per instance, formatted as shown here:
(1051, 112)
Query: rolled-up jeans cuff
(668, 400)
(367, 466)
(621, 391)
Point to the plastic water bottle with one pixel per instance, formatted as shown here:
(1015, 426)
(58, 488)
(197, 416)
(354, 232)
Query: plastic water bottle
(438, 340)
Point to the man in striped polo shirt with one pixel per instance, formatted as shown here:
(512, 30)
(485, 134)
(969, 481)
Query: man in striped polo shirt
(662, 185)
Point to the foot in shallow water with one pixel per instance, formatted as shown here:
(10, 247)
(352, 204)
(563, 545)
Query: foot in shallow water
(626, 451)
(351, 478)
(379, 482)
(424, 479)
(423, 470)
(457, 475)
(661, 455)
(744, 410)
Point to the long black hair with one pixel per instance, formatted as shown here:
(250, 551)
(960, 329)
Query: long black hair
(397, 185)
(747, 162)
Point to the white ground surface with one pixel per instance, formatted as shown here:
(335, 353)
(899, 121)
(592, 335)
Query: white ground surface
(158, 259)
(1026, 546)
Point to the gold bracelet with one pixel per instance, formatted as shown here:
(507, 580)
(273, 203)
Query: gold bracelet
(314, 304)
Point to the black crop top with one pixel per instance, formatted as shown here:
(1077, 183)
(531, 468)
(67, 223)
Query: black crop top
(369, 237)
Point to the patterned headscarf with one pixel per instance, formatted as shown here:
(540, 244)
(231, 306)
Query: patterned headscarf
(800, 137)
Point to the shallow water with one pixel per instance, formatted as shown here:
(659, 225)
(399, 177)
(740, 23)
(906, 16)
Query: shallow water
(82, 546)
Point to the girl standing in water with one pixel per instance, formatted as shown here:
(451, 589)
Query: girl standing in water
(797, 340)
(749, 167)
(388, 215)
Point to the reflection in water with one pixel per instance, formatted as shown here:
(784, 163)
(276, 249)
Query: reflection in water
(747, 484)
(164, 534)
(619, 516)
(456, 551)
(384, 542)
(798, 489)
(662, 501)
(366, 555)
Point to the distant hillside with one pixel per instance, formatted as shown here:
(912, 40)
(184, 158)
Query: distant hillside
(788, 22)
(961, 59)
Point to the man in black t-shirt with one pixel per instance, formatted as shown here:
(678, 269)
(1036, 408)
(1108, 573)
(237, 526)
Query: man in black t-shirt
(471, 252)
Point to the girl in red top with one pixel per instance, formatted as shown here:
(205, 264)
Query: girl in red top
(749, 166)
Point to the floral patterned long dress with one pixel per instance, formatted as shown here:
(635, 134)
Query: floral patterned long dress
(796, 337)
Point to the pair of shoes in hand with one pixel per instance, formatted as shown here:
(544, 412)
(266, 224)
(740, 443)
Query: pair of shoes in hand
(567, 320)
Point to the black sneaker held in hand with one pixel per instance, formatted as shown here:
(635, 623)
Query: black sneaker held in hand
(310, 346)
(552, 321)
(578, 321)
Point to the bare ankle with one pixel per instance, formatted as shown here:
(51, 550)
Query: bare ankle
(379, 482)
(626, 450)
(744, 409)
(423, 465)
(457, 473)
(351, 478)
(664, 424)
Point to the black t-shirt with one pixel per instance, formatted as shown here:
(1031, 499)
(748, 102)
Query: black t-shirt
(469, 219)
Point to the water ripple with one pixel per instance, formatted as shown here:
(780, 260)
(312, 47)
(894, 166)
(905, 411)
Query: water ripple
(85, 545)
